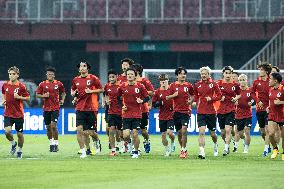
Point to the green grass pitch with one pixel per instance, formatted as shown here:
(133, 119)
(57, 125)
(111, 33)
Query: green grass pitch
(42, 169)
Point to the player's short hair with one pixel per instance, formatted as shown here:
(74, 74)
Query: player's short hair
(266, 66)
(111, 71)
(243, 75)
(131, 69)
(50, 69)
(163, 77)
(205, 68)
(277, 76)
(179, 70)
(230, 68)
(276, 68)
(237, 73)
(128, 60)
(85, 62)
(15, 69)
(138, 68)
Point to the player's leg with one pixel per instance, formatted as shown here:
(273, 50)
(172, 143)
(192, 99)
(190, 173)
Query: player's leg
(81, 126)
(144, 131)
(263, 124)
(228, 128)
(282, 135)
(236, 138)
(170, 132)
(201, 141)
(54, 129)
(247, 139)
(211, 121)
(112, 134)
(126, 133)
(184, 123)
(221, 121)
(163, 130)
(19, 128)
(8, 123)
(135, 125)
(47, 121)
(272, 128)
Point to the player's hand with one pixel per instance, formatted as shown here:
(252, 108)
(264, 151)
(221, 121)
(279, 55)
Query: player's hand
(139, 100)
(194, 104)
(17, 96)
(46, 95)
(222, 99)
(277, 101)
(74, 101)
(208, 98)
(88, 90)
(74, 92)
(234, 99)
(107, 100)
(267, 110)
(4, 102)
(61, 102)
(250, 103)
(260, 105)
(237, 103)
(124, 108)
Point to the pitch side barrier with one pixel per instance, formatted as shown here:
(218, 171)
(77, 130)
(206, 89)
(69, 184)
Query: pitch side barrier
(34, 123)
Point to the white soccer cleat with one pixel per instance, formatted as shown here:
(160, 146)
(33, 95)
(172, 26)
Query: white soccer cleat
(173, 147)
(83, 155)
(216, 150)
(168, 152)
(245, 151)
(135, 156)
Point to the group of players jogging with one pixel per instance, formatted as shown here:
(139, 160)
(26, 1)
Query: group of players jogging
(128, 98)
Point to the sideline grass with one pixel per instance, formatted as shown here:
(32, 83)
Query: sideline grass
(42, 169)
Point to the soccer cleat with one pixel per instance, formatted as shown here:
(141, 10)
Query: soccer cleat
(235, 149)
(55, 148)
(200, 156)
(135, 155)
(98, 147)
(173, 147)
(182, 155)
(274, 154)
(225, 152)
(19, 155)
(245, 151)
(269, 149)
(168, 152)
(147, 147)
(51, 148)
(88, 152)
(13, 149)
(79, 151)
(216, 150)
(282, 157)
(83, 155)
(112, 153)
(93, 151)
(265, 153)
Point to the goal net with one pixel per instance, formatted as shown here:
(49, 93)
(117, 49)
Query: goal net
(193, 75)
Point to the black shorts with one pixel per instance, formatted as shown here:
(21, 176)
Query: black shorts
(115, 120)
(50, 116)
(166, 124)
(144, 120)
(226, 119)
(131, 123)
(19, 122)
(242, 123)
(180, 119)
(208, 120)
(262, 118)
(106, 113)
(87, 119)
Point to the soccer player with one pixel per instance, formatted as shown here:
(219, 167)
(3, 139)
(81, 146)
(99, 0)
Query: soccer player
(261, 89)
(182, 95)
(125, 64)
(275, 112)
(145, 108)
(166, 122)
(114, 110)
(226, 112)
(14, 93)
(133, 95)
(51, 90)
(244, 112)
(83, 88)
(235, 133)
(206, 92)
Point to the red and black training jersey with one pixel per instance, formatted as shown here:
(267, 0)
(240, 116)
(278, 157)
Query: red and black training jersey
(111, 90)
(261, 89)
(129, 94)
(166, 109)
(243, 109)
(14, 108)
(276, 111)
(149, 87)
(86, 102)
(229, 90)
(203, 89)
(180, 102)
(54, 89)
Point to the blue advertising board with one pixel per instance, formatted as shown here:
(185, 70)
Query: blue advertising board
(34, 123)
